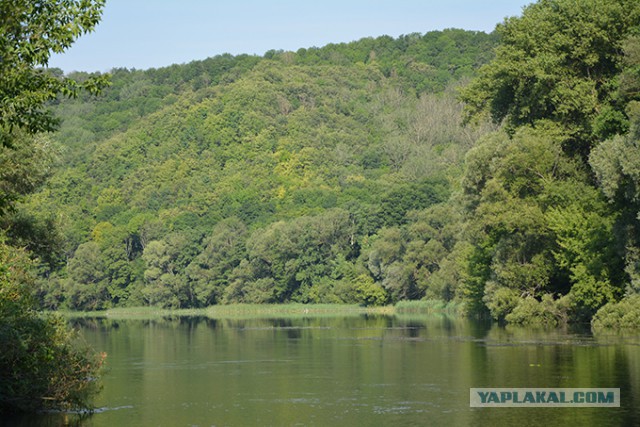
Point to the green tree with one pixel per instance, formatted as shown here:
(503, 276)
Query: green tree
(166, 283)
(543, 238)
(616, 164)
(40, 366)
(538, 227)
(87, 279)
(558, 62)
(292, 257)
(223, 250)
(29, 33)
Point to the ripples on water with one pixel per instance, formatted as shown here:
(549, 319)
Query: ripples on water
(356, 370)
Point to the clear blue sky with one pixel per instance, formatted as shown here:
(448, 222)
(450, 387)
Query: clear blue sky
(155, 33)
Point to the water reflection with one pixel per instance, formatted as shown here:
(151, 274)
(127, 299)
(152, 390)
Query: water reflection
(354, 370)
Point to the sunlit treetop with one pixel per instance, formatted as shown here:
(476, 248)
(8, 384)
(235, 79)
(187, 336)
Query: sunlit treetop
(558, 62)
(30, 31)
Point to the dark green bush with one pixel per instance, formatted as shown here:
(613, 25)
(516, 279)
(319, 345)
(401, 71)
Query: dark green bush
(624, 314)
(531, 312)
(42, 365)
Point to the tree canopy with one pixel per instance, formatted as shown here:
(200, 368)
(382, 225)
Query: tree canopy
(559, 61)
(545, 242)
(345, 174)
(29, 33)
(41, 365)
(174, 180)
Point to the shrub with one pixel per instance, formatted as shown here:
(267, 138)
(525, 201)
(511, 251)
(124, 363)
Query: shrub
(368, 292)
(500, 300)
(531, 312)
(624, 314)
(41, 364)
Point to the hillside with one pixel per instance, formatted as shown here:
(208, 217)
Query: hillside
(247, 179)
(498, 171)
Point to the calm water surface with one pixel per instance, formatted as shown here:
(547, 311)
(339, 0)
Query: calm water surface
(345, 371)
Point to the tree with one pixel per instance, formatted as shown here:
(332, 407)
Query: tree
(223, 251)
(538, 227)
(616, 164)
(544, 241)
(87, 274)
(40, 366)
(165, 281)
(558, 62)
(30, 32)
(292, 258)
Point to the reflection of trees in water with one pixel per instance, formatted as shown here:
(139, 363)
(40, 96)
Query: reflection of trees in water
(405, 363)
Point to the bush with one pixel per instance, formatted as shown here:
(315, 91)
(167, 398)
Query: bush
(369, 293)
(624, 314)
(531, 312)
(41, 364)
(500, 300)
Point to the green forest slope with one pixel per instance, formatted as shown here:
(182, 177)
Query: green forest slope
(246, 179)
(345, 174)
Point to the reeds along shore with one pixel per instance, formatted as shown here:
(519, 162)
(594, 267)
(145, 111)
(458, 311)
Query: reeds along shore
(250, 310)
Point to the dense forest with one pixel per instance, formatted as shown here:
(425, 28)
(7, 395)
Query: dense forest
(258, 179)
(498, 170)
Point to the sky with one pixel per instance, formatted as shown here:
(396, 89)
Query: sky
(144, 34)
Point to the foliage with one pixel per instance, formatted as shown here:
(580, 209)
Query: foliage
(245, 179)
(211, 269)
(538, 227)
(545, 245)
(558, 62)
(42, 366)
(616, 164)
(545, 312)
(29, 33)
(344, 174)
(619, 315)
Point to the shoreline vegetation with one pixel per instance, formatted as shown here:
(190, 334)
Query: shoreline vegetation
(42, 364)
(286, 310)
(621, 317)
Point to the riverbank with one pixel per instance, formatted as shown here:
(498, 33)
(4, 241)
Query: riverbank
(280, 310)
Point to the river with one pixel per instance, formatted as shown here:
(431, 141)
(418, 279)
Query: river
(345, 371)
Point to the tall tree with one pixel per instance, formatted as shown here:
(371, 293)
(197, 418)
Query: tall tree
(558, 62)
(40, 359)
(538, 225)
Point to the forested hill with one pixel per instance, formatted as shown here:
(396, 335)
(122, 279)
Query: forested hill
(253, 179)
(345, 174)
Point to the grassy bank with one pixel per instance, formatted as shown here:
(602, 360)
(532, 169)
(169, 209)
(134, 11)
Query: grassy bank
(270, 310)
(235, 310)
(429, 307)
